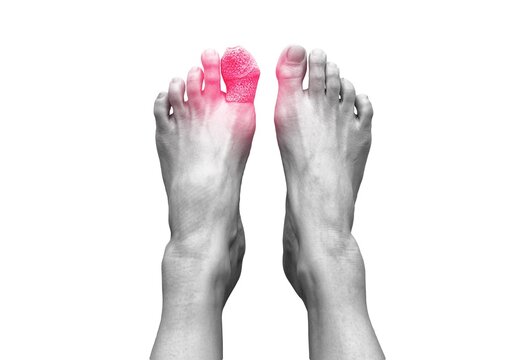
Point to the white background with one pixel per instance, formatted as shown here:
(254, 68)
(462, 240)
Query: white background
(443, 216)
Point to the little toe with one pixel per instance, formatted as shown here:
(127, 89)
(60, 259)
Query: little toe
(161, 109)
(211, 62)
(348, 96)
(194, 83)
(291, 68)
(176, 94)
(316, 82)
(364, 109)
(333, 84)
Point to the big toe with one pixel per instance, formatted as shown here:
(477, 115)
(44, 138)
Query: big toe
(291, 68)
(240, 73)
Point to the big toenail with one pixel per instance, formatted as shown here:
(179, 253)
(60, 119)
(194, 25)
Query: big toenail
(296, 54)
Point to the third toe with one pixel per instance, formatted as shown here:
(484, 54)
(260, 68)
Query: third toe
(333, 84)
(194, 83)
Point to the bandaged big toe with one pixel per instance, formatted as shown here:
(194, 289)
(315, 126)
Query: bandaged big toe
(240, 73)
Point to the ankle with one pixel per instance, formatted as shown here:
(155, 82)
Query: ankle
(199, 263)
(342, 333)
(189, 331)
(203, 216)
(193, 284)
(328, 284)
(319, 216)
(329, 268)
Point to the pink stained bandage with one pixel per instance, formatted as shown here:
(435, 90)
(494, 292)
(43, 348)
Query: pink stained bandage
(240, 73)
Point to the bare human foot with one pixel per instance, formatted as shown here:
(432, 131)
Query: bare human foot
(203, 144)
(324, 136)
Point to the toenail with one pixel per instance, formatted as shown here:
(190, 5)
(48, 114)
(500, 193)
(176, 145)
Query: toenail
(210, 52)
(194, 72)
(296, 54)
(318, 54)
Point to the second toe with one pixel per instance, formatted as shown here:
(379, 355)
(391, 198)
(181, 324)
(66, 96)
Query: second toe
(317, 71)
(211, 62)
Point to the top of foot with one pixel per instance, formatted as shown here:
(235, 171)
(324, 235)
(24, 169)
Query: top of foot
(324, 132)
(324, 136)
(203, 145)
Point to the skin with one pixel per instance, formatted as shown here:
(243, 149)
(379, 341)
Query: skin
(324, 136)
(203, 148)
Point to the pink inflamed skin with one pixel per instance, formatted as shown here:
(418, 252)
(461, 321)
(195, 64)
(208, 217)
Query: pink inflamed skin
(240, 73)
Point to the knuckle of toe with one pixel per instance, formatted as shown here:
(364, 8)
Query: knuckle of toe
(347, 86)
(318, 54)
(160, 99)
(364, 99)
(317, 77)
(195, 73)
(332, 69)
(333, 82)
